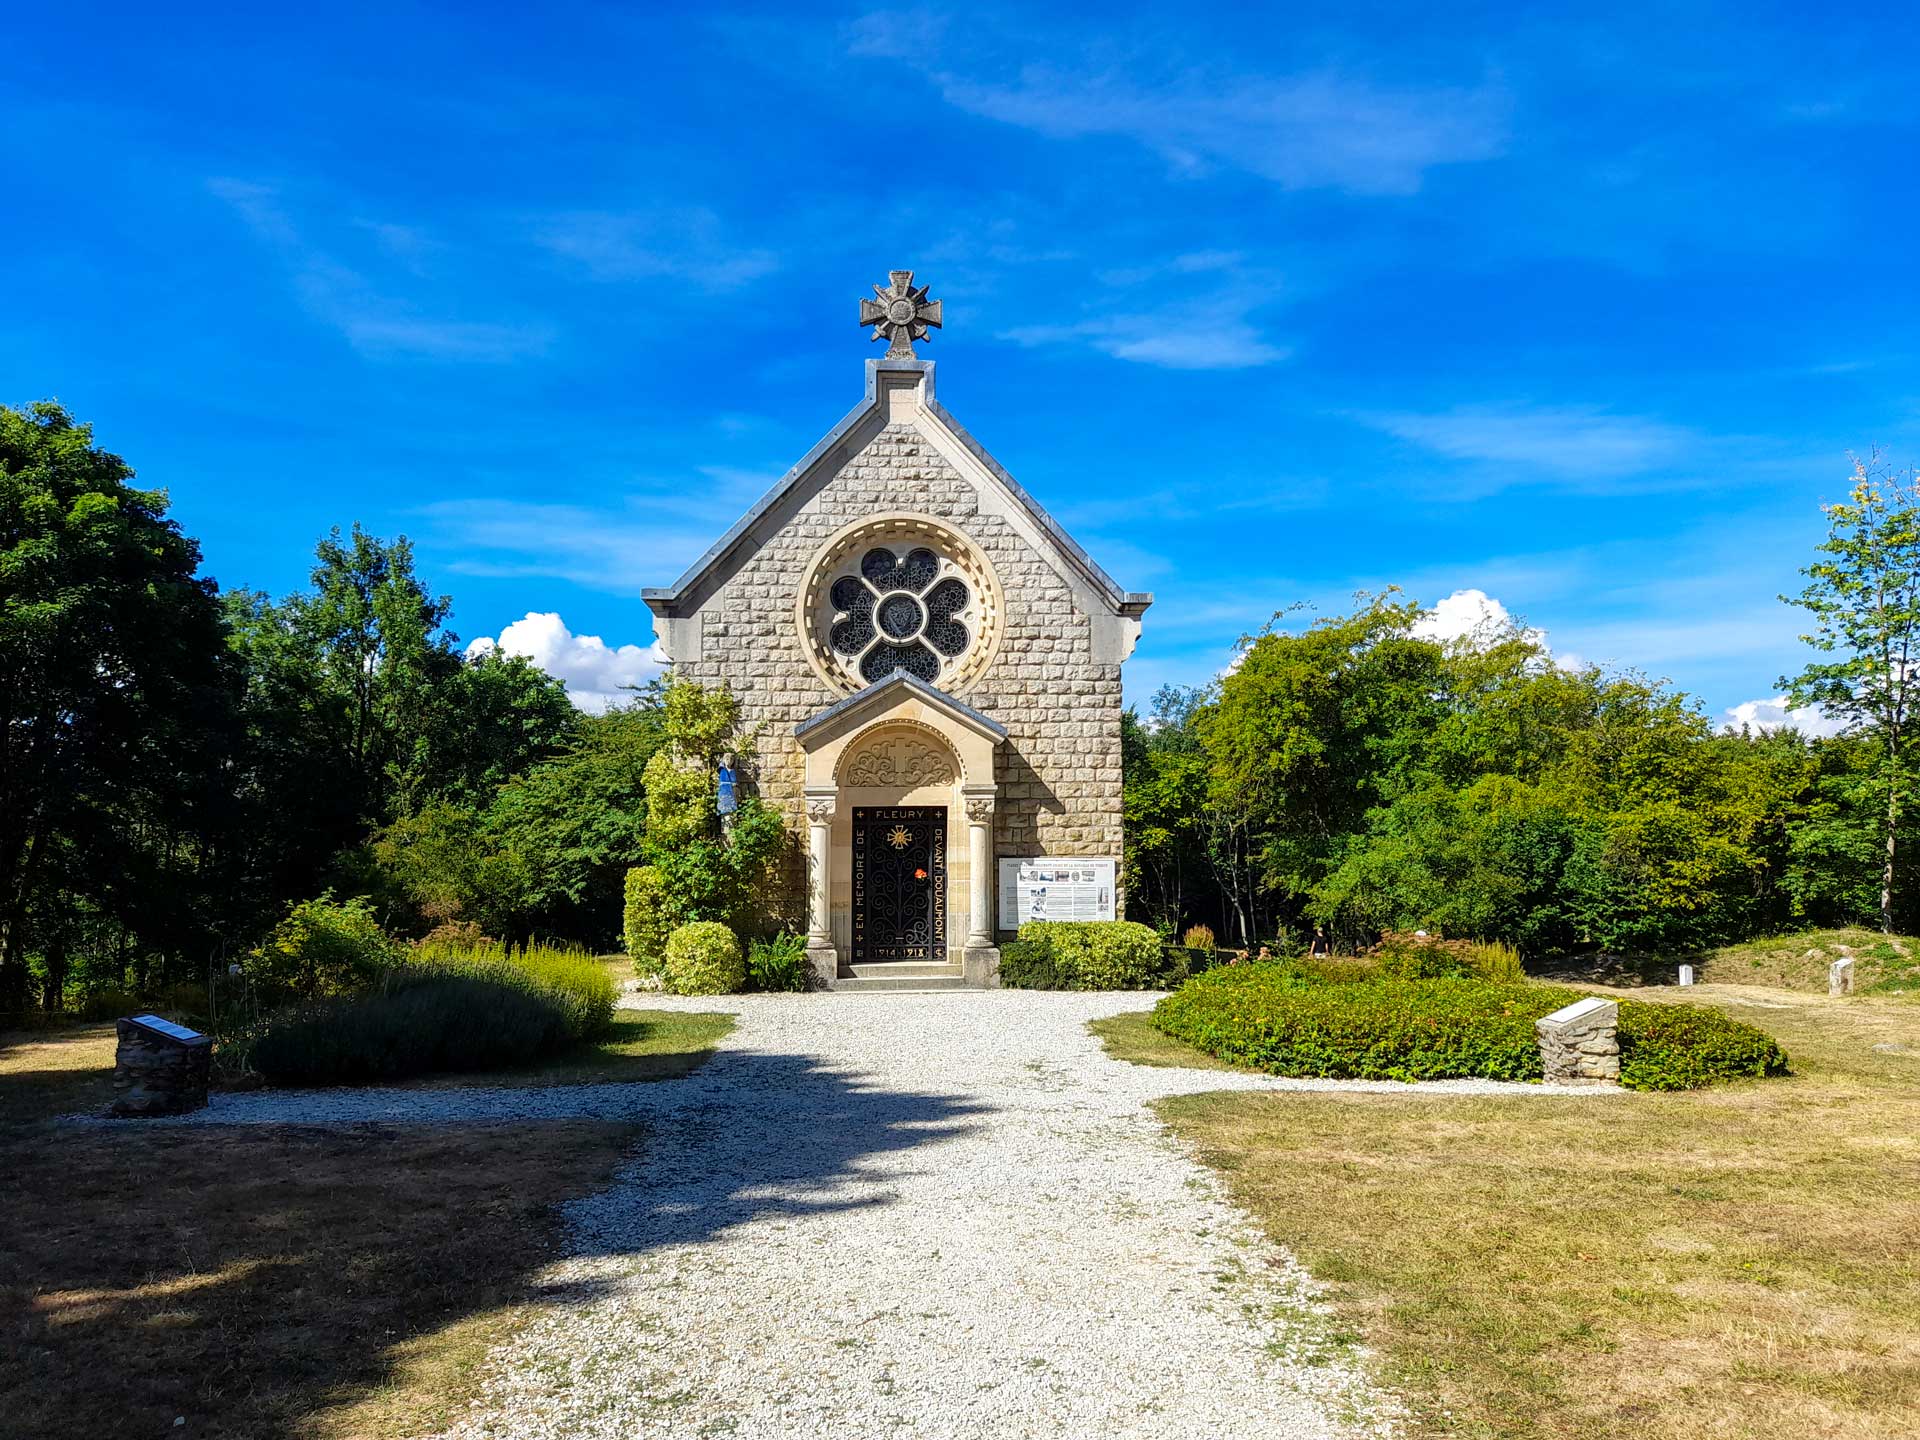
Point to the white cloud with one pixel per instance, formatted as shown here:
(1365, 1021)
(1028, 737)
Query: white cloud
(1476, 617)
(593, 671)
(1570, 441)
(1762, 716)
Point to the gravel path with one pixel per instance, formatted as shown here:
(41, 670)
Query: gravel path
(928, 1215)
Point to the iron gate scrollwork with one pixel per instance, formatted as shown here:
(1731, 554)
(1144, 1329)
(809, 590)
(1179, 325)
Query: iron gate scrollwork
(900, 883)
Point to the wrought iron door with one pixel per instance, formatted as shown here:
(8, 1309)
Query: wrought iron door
(899, 883)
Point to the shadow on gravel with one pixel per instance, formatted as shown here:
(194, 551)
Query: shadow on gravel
(272, 1282)
(770, 1135)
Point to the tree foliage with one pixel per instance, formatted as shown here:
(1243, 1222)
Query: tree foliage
(1360, 775)
(1863, 596)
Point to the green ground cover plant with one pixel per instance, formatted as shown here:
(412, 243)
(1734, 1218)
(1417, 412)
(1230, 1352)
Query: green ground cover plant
(778, 964)
(1342, 1023)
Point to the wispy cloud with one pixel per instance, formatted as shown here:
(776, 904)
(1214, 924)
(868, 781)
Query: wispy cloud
(618, 550)
(646, 539)
(1312, 129)
(1565, 442)
(685, 244)
(1183, 336)
(376, 324)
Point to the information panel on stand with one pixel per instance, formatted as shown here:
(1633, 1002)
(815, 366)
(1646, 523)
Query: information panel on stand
(1055, 890)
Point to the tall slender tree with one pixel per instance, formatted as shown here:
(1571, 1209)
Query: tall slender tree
(1864, 597)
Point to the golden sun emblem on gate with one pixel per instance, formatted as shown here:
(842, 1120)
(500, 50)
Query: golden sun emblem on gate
(899, 837)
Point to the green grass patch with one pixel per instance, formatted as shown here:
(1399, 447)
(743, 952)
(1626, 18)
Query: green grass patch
(1882, 964)
(1133, 1038)
(641, 1045)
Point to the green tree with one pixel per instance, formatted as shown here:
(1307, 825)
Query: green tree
(699, 865)
(1163, 799)
(1864, 599)
(116, 703)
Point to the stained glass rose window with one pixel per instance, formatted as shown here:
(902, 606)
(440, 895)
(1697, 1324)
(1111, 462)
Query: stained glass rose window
(898, 612)
(901, 592)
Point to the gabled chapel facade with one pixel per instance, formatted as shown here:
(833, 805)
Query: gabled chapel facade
(933, 666)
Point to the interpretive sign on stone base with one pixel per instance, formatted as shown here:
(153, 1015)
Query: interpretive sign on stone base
(159, 1068)
(1580, 1043)
(1055, 889)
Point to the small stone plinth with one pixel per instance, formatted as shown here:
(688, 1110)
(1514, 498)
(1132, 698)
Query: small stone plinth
(980, 967)
(824, 961)
(1840, 976)
(160, 1068)
(1580, 1044)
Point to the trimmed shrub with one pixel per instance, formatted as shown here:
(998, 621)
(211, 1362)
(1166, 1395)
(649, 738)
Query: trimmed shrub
(1281, 1018)
(1199, 937)
(649, 921)
(1292, 1019)
(1683, 1047)
(324, 947)
(1029, 965)
(779, 964)
(703, 958)
(1096, 954)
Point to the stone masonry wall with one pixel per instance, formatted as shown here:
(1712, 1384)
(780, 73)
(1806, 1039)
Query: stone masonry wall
(1059, 770)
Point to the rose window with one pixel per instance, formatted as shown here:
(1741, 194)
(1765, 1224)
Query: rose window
(900, 593)
(899, 612)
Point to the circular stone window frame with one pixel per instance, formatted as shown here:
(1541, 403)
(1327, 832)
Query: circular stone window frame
(985, 615)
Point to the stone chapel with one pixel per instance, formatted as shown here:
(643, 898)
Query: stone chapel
(933, 666)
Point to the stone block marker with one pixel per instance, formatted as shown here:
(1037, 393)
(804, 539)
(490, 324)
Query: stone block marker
(160, 1068)
(1580, 1043)
(1840, 976)
(1686, 974)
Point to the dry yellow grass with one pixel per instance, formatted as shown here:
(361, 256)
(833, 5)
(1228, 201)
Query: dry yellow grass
(277, 1282)
(1740, 1262)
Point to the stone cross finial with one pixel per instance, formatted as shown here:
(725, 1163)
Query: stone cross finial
(901, 315)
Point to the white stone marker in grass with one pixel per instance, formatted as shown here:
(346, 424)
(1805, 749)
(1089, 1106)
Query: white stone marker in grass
(1840, 976)
(1686, 974)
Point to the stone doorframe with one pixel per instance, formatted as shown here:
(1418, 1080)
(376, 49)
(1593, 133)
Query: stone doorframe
(900, 741)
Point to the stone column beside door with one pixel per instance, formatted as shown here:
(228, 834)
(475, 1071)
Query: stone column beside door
(980, 960)
(820, 950)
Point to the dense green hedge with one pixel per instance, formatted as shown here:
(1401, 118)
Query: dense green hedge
(1682, 1047)
(1292, 1020)
(1083, 955)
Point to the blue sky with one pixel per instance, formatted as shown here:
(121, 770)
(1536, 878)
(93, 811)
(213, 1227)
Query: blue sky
(1581, 311)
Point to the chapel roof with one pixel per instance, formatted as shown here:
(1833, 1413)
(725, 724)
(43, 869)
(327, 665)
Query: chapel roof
(833, 449)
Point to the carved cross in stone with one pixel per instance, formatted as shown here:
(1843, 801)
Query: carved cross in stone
(901, 314)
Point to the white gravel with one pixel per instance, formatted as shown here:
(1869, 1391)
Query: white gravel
(935, 1215)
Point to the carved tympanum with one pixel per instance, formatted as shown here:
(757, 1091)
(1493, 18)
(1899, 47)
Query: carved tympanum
(899, 762)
